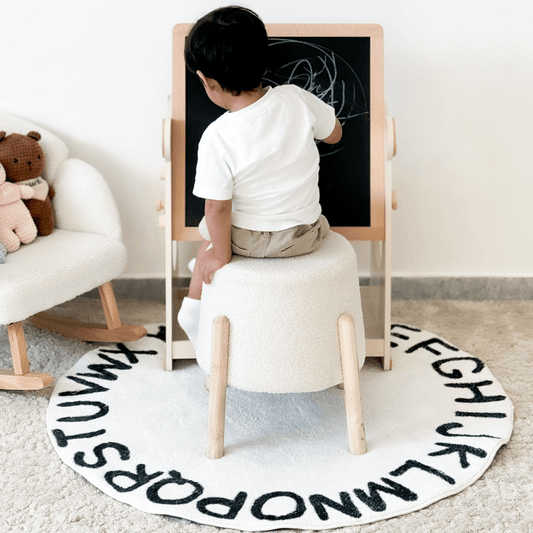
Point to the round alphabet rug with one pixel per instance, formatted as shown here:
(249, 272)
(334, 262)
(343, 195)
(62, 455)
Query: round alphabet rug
(433, 425)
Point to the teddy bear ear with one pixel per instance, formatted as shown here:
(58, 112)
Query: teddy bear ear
(35, 135)
(2, 135)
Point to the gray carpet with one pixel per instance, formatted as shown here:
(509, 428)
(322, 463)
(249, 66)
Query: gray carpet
(40, 493)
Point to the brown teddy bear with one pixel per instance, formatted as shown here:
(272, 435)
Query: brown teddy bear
(23, 160)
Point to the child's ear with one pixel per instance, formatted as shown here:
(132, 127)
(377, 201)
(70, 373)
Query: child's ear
(202, 77)
(208, 83)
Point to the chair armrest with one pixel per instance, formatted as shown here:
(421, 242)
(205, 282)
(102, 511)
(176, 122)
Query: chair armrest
(83, 200)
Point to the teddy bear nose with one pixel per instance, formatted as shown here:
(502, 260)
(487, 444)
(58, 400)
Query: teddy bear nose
(29, 163)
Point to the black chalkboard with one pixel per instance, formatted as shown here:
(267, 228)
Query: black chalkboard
(337, 69)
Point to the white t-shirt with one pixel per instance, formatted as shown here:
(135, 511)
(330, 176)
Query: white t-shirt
(264, 158)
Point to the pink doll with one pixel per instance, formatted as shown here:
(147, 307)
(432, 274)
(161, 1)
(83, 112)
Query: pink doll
(16, 224)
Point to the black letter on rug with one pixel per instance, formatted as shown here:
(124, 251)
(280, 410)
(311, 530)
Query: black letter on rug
(130, 354)
(102, 370)
(399, 335)
(62, 439)
(408, 328)
(79, 457)
(140, 478)
(257, 507)
(444, 430)
(462, 450)
(375, 501)
(478, 395)
(92, 387)
(426, 346)
(175, 477)
(103, 410)
(456, 374)
(234, 506)
(480, 415)
(415, 464)
(318, 501)
(161, 334)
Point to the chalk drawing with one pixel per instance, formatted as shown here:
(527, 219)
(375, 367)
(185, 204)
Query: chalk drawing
(323, 73)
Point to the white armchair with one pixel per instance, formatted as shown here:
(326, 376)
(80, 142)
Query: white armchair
(84, 251)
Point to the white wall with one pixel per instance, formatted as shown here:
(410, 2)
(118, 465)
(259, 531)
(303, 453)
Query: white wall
(458, 80)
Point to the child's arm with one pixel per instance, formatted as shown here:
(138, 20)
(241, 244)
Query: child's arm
(336, 135)
(218, 218)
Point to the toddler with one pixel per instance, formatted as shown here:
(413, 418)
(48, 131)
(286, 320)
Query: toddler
(258, 163)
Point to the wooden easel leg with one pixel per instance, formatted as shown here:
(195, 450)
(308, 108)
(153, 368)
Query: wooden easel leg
(217, 390)
(21, 378)
(110, 306)
(352, 392)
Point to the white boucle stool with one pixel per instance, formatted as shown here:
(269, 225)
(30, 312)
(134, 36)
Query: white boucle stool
(284, 325)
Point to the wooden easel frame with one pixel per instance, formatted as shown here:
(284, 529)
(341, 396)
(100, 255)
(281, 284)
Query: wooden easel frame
(376, 231)
(376, 297)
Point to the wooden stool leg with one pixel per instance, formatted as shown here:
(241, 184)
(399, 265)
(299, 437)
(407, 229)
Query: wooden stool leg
(110, 306)
(352, 392)
(217, 389)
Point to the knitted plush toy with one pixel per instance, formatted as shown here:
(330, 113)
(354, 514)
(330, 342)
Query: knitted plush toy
(16, 224)
(23, 160)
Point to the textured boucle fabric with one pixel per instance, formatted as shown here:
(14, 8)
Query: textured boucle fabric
(283, 318)
(40, 275)
(83, 200)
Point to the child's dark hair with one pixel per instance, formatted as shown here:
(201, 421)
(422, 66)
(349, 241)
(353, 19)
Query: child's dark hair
(230, 45)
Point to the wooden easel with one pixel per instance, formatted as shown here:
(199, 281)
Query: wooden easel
(376, 298)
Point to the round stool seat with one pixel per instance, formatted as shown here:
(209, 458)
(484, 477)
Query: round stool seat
(283, 318)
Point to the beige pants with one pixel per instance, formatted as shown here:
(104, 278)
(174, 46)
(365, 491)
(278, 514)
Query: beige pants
(290, 242)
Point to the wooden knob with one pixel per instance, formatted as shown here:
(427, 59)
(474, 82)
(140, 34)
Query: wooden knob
(163, 173)
(162, 221)
(160, 205)
(395, 146)
(163, 143)
(391, 137)
(166, 134)
(394, 200)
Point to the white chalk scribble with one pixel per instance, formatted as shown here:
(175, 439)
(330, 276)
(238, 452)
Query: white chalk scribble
(323, 73)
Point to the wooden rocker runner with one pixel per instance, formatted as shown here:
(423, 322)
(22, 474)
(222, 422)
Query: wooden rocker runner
(115, 331)
(22, 379)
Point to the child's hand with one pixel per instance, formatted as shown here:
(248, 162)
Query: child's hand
(210, 265)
